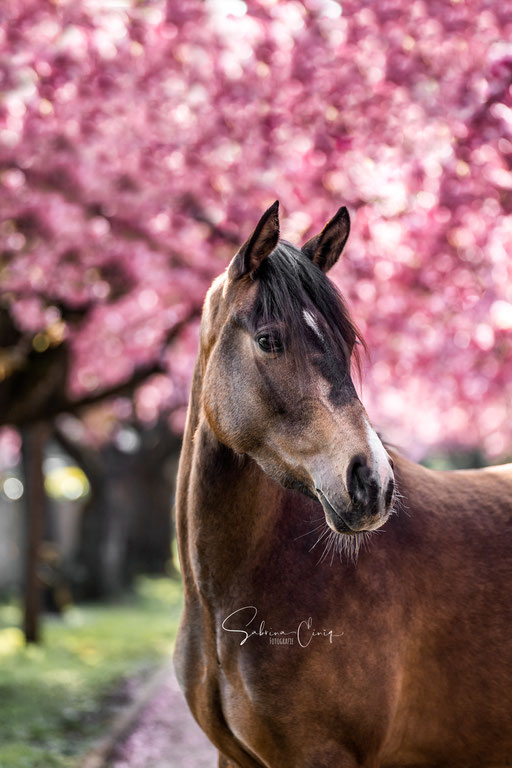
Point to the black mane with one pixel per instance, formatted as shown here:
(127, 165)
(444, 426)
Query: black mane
(290, 283)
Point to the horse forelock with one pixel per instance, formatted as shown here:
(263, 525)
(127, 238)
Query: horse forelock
(290, 292)
(296, 295)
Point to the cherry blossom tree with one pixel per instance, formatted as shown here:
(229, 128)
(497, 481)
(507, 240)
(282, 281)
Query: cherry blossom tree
(140, 141)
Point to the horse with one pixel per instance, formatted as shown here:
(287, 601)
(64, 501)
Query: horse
(392, 649)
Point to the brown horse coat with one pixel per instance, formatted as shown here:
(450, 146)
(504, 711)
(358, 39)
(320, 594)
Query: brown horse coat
(402, 658)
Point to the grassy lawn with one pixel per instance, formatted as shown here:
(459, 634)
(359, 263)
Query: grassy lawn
(57, 698)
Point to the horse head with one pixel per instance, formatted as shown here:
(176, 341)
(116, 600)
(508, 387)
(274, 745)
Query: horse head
(276, 350)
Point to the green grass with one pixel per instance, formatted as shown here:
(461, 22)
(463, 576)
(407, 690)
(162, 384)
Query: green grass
(56, 698)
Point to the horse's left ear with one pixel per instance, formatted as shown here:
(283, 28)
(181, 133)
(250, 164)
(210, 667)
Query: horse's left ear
(260, 244)
(325, 249)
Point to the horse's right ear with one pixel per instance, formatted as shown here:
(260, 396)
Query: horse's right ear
(260, 245)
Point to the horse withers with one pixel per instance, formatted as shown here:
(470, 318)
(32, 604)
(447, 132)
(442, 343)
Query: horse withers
(394, 647)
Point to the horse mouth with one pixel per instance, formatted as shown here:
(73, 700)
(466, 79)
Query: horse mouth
(333, 518)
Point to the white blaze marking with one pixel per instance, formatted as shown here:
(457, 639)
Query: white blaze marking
(380, 459)
(310, 320)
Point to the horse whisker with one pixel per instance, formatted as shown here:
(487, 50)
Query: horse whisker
(326, 548)
(313, 530)
(322, 535)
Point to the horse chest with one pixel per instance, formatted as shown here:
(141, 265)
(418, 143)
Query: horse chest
(284, 682)
(267, 698)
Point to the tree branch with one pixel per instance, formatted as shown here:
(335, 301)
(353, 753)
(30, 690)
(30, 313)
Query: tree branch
(198, 213)
(30, 395)
(60, 181)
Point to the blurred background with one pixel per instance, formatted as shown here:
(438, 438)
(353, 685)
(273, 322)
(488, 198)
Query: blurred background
(140, 141)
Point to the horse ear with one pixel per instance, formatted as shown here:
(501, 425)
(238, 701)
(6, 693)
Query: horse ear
(260, 244)
(325, 249)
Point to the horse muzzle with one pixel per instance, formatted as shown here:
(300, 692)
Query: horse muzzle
(363, 505)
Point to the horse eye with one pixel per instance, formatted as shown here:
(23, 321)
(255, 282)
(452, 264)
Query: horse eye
(269, 342)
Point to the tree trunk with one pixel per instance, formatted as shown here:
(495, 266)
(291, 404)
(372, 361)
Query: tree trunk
(34, 438)
(127, 525)
(152, 531)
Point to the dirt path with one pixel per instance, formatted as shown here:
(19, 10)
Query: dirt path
(166, 735)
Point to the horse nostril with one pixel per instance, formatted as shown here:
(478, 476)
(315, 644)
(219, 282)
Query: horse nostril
(358, 480)
(389, 493)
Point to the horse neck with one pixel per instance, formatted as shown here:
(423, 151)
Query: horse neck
(225, 505)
